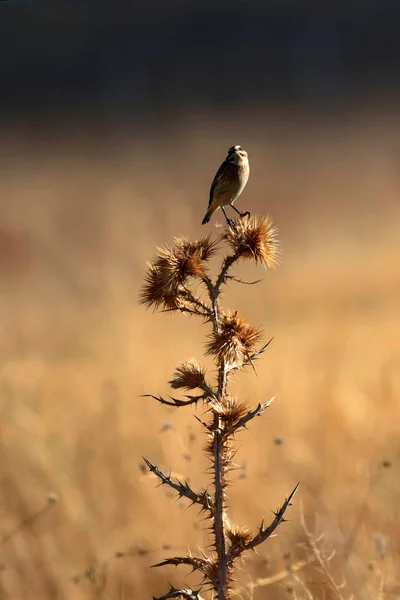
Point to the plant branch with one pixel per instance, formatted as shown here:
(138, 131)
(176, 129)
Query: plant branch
(186, 309)
(254, 355)
(197, 564)
(214, 289)
(263, 532)
(214, 302)
(277, 577)
(226, 265)
(187, 594)
(252, 413)
(203, 499)
(238, 280)
(176, 402)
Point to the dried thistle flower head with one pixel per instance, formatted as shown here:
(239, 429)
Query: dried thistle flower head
(172, 268)
(188, 376)
(254, 239)
(204, 249)
(230, 409)
(234, 342)
(238, 536)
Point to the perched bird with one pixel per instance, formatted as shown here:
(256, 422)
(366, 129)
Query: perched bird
(229, 182)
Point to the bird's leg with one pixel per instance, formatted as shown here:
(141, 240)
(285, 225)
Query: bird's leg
(245, 214)
(227, 220)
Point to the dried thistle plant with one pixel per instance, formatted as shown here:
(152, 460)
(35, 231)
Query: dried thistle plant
(232, 343)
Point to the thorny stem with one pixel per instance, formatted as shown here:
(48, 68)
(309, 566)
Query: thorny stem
(214, 288)
(226, 265)
(214, 315)
(222, 379)
(219, 529)
(218, 446)
(219, 474)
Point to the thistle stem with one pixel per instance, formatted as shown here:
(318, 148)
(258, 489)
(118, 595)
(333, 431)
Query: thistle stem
(219, 467)
(219, 525)
(226, 265)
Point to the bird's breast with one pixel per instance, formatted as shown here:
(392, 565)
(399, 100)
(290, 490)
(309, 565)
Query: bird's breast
(244, 170)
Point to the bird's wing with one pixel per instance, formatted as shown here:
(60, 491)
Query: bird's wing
(219, 176)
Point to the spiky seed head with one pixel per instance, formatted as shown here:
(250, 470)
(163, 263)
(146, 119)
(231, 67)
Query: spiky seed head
(238, 536)
(212, 569)
(157, 292)
(188, 376)
(172, 267)
(230, 409)
(204, 248)
(234, 342)
(254, 239)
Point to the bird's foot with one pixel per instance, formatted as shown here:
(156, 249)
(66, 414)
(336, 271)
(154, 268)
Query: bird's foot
(245, 214)
(230, 223)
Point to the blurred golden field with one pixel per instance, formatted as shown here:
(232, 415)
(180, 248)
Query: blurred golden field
(81, 215)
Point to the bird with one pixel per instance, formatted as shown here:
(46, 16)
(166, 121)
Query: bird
(228, 183)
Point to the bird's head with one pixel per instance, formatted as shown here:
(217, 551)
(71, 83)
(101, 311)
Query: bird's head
(236, 155)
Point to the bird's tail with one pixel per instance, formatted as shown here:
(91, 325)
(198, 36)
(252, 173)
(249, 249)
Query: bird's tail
(209, 214)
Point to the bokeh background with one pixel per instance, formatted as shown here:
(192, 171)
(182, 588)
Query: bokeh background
(114, 119)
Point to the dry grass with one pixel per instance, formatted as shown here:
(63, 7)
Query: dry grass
(77, 353)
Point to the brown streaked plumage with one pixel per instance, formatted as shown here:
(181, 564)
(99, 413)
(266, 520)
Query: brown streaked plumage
(229, 182)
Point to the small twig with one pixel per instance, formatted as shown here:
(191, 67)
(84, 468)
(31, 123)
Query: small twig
(318, 556)
(264, 581)
(238, 280)
(28, 521)
(303, 586)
